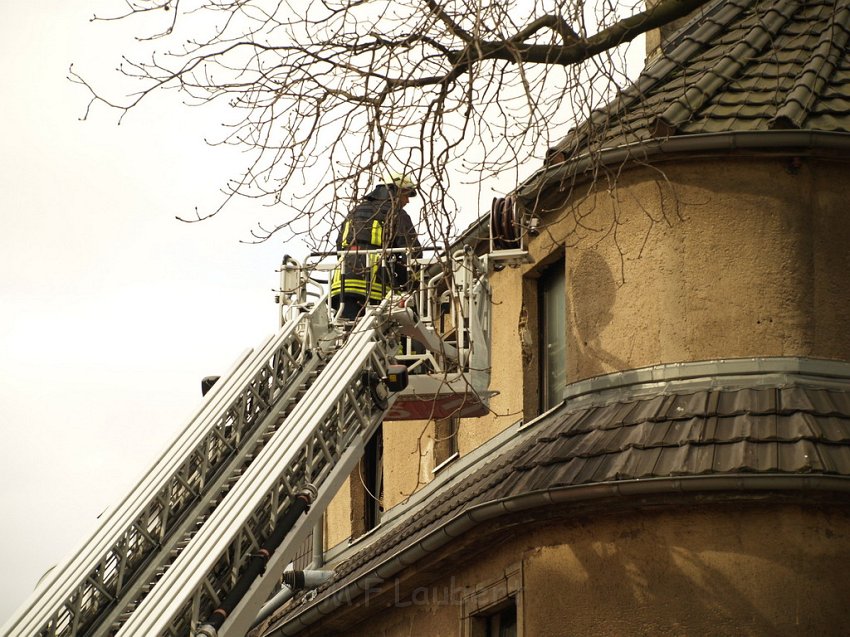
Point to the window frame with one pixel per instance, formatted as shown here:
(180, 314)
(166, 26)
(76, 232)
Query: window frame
(490, 598)
(531, 331)
(367, 481)
(445, 442)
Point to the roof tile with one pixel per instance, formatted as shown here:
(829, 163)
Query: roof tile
(819, 402)
(796, 426)
(684, 406)
(671, 461)
(746, 66)
(590, 467)
(834, 458)
(752, 401)
(754, 427)
(799, 457)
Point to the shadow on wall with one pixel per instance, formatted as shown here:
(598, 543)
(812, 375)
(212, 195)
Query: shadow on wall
(676, 590)
(591, 292)
(643, 579)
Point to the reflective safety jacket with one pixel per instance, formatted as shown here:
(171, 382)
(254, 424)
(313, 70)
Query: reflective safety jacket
(374, 224)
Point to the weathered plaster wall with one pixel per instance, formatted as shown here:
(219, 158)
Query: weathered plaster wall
(709, 259)
(723, 569)
(506, 363)
(338, 516)
(752, 570)
(408, 466)
(410, 608)
(408, 459)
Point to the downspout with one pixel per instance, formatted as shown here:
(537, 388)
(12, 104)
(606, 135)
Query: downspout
(474, 516)
(318, 544)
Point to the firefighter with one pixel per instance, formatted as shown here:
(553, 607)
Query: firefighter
(378, 222)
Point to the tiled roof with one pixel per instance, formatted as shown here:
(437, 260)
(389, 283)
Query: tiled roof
(791, 429)
(774, 430)
(744, 65)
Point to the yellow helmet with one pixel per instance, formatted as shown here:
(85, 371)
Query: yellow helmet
(403, 183)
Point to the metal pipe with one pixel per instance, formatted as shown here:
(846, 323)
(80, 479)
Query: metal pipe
(319, 544)
(281, 597)
(307, 579)
(292, 581)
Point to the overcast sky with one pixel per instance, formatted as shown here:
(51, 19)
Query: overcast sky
(111, 311)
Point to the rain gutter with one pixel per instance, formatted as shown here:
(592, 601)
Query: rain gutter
(489, 511)
(788, 142)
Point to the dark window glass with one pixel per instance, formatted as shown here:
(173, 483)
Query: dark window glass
(373, 480)
(502, 623)
(553, 335)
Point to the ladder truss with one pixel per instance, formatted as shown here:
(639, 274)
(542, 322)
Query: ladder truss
(315, 449)
(278, 434)
(138, 539)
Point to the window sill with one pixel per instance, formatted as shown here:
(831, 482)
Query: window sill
(445, 463)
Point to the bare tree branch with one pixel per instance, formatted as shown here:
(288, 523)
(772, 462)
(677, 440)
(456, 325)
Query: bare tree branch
(329, 95)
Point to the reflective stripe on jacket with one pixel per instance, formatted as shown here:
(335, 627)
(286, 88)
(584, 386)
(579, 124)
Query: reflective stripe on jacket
(358, 277)
(374, 224)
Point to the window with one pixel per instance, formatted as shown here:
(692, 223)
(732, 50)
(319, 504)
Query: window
(373, 480)
(494, 609)
(552, 304)
(367, 487)
(445, 440)
(501, 623)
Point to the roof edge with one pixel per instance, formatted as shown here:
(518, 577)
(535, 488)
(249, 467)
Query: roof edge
(670, 377)
(489, 511)
(655, 150)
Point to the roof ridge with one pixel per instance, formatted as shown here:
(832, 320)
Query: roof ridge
(816, 73)
(699, 93)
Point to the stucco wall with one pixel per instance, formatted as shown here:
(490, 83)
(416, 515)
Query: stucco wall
(408, 459)
(408, 464)
(721, 569)
(337, 518)
(505, 360)
(696, 260)
(707, 259)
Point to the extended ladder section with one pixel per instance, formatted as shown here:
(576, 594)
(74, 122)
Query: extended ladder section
(201, 542)
(137, 540)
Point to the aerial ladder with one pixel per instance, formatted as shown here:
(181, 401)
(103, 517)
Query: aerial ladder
(201, 542)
